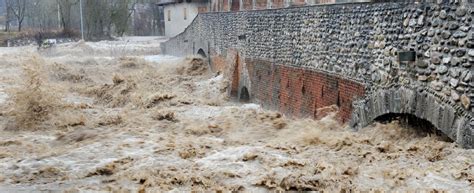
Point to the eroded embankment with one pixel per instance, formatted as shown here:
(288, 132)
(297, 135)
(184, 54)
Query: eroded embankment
(155, 123)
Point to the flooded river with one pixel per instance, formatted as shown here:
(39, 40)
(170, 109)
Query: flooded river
(117, 116)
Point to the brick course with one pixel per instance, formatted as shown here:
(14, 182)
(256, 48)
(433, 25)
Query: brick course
(278, 3)
(300, 92)
(247, 4)
(260, 4)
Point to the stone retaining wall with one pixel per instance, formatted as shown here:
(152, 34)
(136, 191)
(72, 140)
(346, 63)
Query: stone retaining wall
(359, 45)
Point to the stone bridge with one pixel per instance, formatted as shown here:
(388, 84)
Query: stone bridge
(370, 59)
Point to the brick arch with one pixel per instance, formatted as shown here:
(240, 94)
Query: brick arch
(240, 78)
(244, 94)
(422, 104)
(202, 53)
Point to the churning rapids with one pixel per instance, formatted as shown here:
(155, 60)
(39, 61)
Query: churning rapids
(115, 116)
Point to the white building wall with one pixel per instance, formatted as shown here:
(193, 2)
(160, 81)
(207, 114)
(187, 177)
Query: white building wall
(174, 16)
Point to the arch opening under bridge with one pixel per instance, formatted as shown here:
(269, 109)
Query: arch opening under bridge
(202, 53)
(418, 108)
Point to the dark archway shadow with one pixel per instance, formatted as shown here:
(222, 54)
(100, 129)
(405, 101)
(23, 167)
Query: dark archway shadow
(202, 53)
(420, 127)
(244, 95)
(384, 103)
(235, 6)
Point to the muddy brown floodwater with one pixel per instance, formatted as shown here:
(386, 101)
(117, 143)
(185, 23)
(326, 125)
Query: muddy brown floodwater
(116, 116)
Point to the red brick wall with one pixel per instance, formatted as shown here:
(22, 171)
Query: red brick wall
(300, 92)
(298, 3)
(225, 5)
(260, 4)
(278, 3)
(214, 6)
(247, 4)
(235, 5)
(234, 89)
(326, 1)
(293, 91)
(202, 9)
(219, 63)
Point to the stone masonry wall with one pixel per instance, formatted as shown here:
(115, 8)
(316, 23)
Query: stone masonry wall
(358, 47)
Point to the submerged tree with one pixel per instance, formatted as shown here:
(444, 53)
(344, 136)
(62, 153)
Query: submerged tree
(102, 18)
(97, 19)
(119, 15)
(42, 14)
(106, 17)
(65, 10)
(18, 9)
(7, 16)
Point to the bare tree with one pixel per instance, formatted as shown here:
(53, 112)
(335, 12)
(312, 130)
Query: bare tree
(41, 14)
(8, 16)
(120, 15)
(18, 8)
(103, 18)
(65, 10)
(94, 13)
(106, 17)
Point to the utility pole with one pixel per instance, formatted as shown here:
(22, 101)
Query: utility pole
(7, 23)
(59, 16)
(82, 23)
